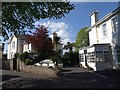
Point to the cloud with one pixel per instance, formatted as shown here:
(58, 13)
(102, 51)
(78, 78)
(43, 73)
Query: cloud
(60, 27)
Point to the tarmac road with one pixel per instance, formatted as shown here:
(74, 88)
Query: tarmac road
(72, 77)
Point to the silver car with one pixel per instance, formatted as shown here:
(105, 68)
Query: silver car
(46, 63)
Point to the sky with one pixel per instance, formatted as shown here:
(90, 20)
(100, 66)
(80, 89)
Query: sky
(67, 27)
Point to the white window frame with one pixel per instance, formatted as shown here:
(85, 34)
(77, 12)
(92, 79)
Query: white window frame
(114, 25)
(104, 29)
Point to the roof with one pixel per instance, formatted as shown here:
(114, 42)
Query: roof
(94, 45)
(105, 18)
(18, 36)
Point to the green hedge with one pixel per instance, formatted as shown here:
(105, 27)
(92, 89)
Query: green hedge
(71, 58)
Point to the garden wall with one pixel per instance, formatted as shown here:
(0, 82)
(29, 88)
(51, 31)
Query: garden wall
(37, 70)
(8, 65)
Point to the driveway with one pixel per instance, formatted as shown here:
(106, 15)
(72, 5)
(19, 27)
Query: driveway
(69, 78)
(94, 79)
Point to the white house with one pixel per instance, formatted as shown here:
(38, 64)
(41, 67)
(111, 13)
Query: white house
(27, 47)
(96, 56)
(18, 44)
(106, 31)
(15, 45)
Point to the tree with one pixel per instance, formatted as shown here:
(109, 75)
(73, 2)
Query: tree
(56, 40)
(82, 39)
(16, 16)
(69, 46)
(41, 42)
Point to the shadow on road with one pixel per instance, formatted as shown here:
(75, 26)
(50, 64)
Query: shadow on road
(8, 77)
(69, 79)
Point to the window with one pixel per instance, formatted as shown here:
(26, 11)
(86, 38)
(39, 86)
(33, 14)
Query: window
(114, 24)
(103, 56)
(13, 45)
(107, 56)
(91, 57)
(99, 56)
(81, 57)
(104, 29)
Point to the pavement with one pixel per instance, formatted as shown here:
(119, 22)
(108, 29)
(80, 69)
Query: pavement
(71, 77)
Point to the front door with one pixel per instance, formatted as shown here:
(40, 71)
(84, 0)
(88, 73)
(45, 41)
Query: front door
(85, 60)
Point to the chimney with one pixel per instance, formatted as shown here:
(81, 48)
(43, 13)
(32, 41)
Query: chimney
(94, 17)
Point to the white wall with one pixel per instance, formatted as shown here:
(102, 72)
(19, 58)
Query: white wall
(17, 49)
(92, 36)
(108, 38)
(101, 38)
(27, 47)
(9, 51)
(12, 51)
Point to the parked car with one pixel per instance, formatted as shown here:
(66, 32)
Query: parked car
(46, 63)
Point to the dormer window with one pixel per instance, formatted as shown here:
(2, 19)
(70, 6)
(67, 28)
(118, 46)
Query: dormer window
(104, 29)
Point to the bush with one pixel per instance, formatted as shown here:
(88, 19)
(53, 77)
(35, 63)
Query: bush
(71, 58)
(23, 56)
(28, 62)
(54, 58)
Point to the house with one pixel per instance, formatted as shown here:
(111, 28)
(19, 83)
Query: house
(104, 33)
(27, 47)
(15, 45)
(18, 44)
(1, 51)
(96, 56)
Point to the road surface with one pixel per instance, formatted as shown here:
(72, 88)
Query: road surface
(72, 77)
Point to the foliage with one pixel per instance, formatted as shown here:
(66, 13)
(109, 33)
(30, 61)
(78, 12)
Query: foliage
(82, 39)
(54, 58)
(56, 40)
(69, 46)
(23, 56)
(71, 58)
(41, 42)
(16, 16)
(28, 62)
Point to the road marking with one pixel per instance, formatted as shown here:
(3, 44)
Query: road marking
(98, 74)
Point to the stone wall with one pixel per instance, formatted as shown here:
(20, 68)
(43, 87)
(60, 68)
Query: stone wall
(8, 64)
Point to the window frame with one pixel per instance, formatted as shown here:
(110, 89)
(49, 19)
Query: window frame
(114, 24)
(104, 29)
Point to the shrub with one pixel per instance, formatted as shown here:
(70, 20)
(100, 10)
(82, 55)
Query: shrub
(54, 58)
(23, 56)
(28, 62)
(71, 58)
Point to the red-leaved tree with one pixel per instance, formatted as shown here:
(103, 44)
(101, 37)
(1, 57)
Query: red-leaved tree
(41, 42)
